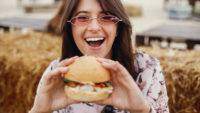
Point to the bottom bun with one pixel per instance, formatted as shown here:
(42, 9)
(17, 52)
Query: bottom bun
(85, 96)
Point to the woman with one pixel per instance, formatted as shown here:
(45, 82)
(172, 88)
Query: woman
(101, 28)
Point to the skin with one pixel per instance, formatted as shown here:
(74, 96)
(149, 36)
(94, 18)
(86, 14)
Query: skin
(47, 100)
(93, 30)
(126, 94)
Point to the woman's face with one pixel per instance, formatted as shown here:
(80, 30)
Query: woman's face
(94, 38)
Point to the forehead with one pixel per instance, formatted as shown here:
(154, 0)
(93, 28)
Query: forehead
(89, 6)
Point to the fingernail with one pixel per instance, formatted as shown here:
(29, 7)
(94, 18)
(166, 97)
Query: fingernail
(65, 68)
(99, 58)
(114, 69)
(62, 75)
(74, 57)
(104, 63)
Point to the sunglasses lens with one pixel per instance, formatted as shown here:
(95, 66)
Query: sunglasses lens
(84, 20)
(80, 20)
(108, 19)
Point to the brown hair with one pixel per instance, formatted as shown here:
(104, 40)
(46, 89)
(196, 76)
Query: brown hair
(122, 50)
(54, 24)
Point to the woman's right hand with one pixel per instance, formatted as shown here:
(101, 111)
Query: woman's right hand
(51, 95)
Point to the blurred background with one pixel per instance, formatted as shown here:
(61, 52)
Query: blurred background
(30, 39)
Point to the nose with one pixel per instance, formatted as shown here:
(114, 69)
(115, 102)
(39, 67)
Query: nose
(94, 25)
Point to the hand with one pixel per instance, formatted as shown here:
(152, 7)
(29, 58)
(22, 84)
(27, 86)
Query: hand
(126, 94)
(51, 95)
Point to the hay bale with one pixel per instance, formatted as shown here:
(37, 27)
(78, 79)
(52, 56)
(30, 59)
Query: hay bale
(23, 59)
(182, 75)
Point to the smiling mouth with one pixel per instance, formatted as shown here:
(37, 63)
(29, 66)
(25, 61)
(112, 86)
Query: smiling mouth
(94, 42)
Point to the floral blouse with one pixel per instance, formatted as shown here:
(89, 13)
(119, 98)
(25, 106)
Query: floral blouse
(149, 71)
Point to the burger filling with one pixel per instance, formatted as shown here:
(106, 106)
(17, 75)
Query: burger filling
(89, 87)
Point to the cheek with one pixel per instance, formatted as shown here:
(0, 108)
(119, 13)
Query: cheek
(74, 31)
(113, 32)
(77, 33)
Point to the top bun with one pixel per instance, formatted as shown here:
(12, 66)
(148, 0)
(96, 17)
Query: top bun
(87, 69)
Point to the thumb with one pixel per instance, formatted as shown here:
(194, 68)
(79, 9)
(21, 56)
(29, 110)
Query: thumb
(106, 101)
(100, 102)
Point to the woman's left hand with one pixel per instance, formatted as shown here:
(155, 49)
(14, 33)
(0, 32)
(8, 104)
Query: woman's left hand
(126, 94)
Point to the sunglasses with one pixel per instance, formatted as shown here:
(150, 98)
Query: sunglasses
(103, 20)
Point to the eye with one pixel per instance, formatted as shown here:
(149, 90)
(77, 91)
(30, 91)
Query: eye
(82, 18)
(109, 19)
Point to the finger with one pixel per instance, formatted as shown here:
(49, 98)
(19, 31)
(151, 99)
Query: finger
(123, 71)
(103, 60)
(111, 65)
(102, 102)
(119, 74)
(67, 61)
(56, 73)
(107, 63)
(71, 101)
(62, 75)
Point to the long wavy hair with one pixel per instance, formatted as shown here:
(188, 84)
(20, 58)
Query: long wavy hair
(122, 50)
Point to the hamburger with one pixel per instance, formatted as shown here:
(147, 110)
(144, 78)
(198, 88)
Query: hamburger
(87, 80)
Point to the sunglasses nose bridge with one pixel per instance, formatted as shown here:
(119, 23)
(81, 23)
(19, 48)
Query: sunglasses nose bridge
(95, 18)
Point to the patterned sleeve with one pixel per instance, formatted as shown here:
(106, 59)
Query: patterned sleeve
(150, 74)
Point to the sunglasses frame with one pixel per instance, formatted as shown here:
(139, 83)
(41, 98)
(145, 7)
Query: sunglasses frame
(97, 18)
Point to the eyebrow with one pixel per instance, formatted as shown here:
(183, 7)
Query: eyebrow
(81, 12)
(105, 12)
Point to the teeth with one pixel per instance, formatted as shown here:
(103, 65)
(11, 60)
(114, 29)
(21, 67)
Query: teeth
(94, 39)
